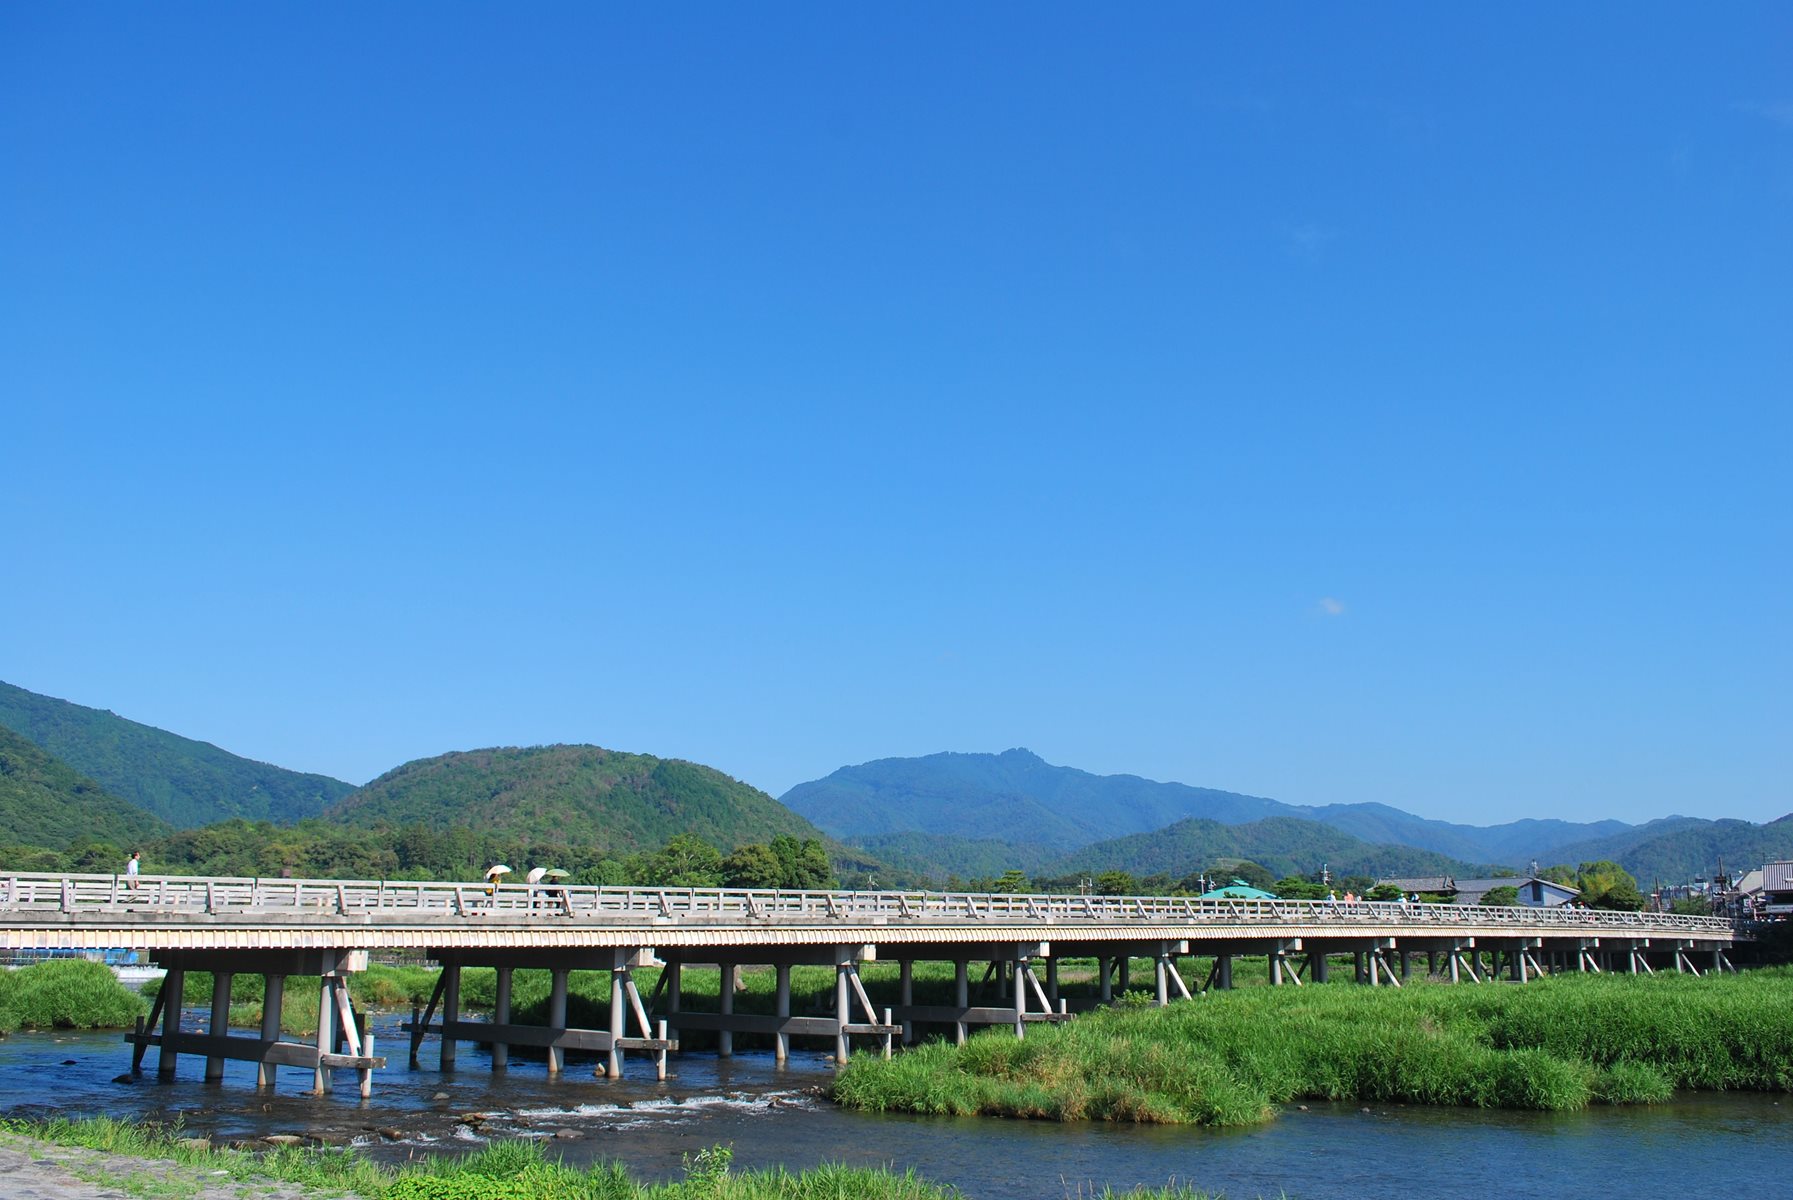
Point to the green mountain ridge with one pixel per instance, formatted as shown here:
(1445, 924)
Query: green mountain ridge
(614, 801)
(45, 802)
(184, 782)
(1285, 845)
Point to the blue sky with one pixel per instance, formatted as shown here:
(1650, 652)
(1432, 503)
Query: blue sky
(1388, 404)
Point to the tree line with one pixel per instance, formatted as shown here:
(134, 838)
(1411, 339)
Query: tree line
(317, 850)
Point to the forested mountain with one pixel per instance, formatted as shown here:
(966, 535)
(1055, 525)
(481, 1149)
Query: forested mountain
(1283, 844)
(184, 782)
(1006, 796)
(935, 858)
(601, 799)
(1692, 849)
(45, 802)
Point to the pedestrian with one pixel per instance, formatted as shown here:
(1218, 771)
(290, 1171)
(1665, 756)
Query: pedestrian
(131, 869)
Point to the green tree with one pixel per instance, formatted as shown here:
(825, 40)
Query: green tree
(1116, 883)
(1252, 874)
(1560, 873)
(1388, 891)
(802, 863)
(1505, 896)
(752, 866)
(685, 861)
(1011, 882)
(1605, 884)
(1294, 887)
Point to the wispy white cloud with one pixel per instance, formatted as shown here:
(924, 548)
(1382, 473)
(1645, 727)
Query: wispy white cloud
(1778, 111)
(1330, 607)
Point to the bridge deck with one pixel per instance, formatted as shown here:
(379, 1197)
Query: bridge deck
(41, 911)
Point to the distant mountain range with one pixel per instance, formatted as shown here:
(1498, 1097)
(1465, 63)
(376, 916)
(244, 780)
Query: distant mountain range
(182, 781)
(965, 807)
(70, 774)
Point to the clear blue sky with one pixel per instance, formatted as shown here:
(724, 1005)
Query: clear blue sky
(1387, 404)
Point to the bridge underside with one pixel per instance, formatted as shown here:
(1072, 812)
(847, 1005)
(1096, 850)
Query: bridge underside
(1011, 984)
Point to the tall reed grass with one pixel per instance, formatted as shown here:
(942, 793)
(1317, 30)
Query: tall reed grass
(1231, 1058)
(66, 993)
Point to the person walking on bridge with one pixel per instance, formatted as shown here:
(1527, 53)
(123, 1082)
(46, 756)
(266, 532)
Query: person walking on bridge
(131, 869)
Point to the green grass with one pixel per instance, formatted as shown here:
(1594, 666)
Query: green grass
(1231, 1058)
(512, 1170)
(66, 993)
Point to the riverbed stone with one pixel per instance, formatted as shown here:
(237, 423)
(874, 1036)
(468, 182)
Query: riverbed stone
(284, 1139)
(568, 1135)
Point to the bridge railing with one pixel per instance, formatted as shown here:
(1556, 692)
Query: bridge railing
(27, 892)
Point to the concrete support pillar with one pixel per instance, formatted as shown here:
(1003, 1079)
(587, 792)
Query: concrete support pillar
(1316, 966)
(842, 1013)
(1162, 966)
(1105, 980)
(675, 999)
(961, 996)
(326, 1034)
(557, 1019)
(619, 1016)
(1431, 962)
(1357, 967)
(1223, 972)
(1406, 964)
(1016, 965)
(501, 1015)
(1052, 981)
(273, 993)
(1275, 959)
(451, 1011)
(1122, 970)
(725, 1038)
(781, 1045)
(174, 985)
(906, 995)
(220, 1022)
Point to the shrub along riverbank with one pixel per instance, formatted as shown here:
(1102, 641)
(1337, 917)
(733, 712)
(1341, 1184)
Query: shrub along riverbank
(66, 993)
(502, 1171)
(1228, 1058)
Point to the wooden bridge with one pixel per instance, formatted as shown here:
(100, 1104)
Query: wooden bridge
(329, 928)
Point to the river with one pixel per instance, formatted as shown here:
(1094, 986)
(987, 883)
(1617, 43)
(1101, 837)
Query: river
(772, 1116)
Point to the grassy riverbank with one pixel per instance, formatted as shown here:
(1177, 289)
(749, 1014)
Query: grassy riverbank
(1230, 1058)
(503, 1171)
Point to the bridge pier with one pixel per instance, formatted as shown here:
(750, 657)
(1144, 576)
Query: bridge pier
(219, 1025)
(725, 1037)
(906, 994)
(962, 997)
(174, 987)
(501, 1015)
(273, 994)
(451, 1014)
(1104, 977)
(782, 1008)
(1316, 965)
(557, 1019)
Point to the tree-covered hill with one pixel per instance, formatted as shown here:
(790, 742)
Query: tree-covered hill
(1284, 845)
(1692, 849)
(605, 799)
(1001, 796)
(186, 783)
(45, 802)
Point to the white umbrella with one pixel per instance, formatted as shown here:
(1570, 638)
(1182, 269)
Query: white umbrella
(535, 874)
(496, 871)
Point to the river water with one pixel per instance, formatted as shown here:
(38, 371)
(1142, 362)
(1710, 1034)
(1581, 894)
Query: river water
(778, 1116)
